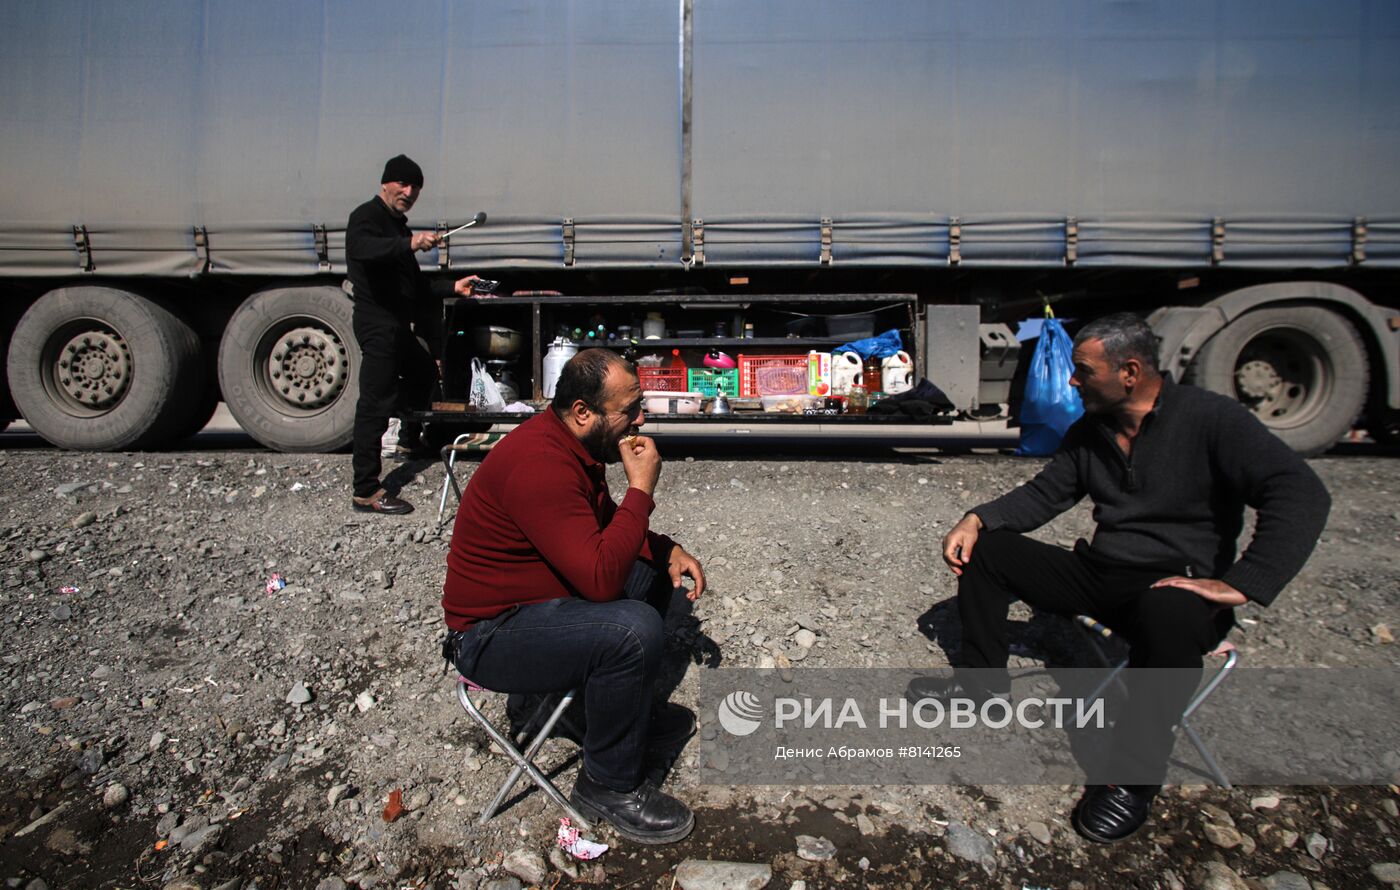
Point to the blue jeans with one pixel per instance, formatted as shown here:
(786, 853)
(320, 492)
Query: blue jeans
(612, 651)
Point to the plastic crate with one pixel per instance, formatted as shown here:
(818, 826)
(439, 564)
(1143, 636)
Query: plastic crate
(772, 375)
(712, 380)
(661, 379)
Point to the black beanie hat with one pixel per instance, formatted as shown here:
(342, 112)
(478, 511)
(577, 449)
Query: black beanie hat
(401, 168)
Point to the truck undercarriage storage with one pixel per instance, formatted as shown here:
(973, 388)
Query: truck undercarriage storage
(178, 176)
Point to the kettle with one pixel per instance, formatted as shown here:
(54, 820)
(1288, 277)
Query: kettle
(721, 403)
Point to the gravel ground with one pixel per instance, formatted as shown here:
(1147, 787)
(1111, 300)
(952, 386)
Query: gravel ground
(167, 722)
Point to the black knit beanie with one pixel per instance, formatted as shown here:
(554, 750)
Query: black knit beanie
(401, 168)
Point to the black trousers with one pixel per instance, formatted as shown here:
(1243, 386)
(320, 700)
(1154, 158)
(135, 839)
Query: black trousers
(397, 375)
(1166, 627)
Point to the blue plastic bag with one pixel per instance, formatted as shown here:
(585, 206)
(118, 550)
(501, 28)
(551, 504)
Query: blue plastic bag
(1051, 405)
(880, 346)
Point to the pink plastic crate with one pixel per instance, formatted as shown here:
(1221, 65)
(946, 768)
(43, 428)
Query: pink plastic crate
(772, 375)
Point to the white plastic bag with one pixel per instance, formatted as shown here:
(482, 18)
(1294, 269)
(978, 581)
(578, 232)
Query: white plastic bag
(485, 395)
(390, 440)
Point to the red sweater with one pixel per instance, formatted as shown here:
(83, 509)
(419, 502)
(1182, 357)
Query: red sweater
(536, 523)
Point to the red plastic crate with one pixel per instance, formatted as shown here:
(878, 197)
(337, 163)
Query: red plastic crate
(772, 375)
(661, 379)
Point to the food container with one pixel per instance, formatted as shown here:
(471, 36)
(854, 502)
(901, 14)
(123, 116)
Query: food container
(494, 341)
(789, 404)
(654, 402)
(818, 373)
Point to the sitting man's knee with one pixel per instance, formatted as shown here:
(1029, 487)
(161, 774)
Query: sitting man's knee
(640, 626)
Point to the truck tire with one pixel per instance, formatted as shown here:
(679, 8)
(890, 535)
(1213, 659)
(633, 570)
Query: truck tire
(97, 368)
(288, 365)
(1302, 370)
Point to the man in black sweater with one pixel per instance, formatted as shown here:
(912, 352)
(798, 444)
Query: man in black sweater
(395, 305)
(1170, 470)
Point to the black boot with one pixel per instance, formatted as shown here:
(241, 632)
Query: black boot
(645, 814)
(1107, 814)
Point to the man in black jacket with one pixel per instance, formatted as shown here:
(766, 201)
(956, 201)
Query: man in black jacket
(395, 304)
(1170, 470)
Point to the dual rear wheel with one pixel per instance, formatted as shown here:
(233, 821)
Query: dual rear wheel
(99, 368)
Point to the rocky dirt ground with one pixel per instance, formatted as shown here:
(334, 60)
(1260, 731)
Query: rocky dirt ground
(167, 722)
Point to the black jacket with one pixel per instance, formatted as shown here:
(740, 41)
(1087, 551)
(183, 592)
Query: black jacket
(1178, 500)
(385, 274)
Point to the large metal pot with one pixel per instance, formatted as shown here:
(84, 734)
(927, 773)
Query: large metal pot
(494, 341)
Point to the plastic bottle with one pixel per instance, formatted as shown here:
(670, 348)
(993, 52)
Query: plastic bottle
(676, 363)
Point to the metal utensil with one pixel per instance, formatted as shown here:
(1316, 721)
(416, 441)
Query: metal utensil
(476, 221)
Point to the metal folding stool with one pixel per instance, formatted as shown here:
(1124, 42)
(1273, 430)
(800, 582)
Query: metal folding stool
(1094, 631)
(523, 760)
(449, 458)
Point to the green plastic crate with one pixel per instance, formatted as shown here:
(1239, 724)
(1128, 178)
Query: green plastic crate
(712, 380)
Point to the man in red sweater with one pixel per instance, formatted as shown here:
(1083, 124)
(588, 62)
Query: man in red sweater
(553, 586)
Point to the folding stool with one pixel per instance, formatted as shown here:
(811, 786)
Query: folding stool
(523, 760)
(1095, 632)
(460, 445)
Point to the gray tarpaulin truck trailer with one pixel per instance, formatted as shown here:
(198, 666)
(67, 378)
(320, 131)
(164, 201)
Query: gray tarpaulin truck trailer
(176, 177)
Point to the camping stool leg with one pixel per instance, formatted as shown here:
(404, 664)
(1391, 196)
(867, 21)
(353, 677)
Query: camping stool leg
(528, 757)
(1093, 631)
(1201, 749)
(1231, 657)
(522, 765)
(449, 457)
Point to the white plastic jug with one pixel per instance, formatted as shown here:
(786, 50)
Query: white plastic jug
(845, 370)
(897, 373)
(560, 351)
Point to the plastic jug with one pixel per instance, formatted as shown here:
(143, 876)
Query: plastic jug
(560, 351)
(845, 371)
(898, 373)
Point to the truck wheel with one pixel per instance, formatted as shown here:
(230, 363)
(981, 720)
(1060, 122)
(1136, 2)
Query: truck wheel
(285, 367)
(1301, 369)
(103, 369)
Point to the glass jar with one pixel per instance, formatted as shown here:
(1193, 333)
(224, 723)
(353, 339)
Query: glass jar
(857, 399)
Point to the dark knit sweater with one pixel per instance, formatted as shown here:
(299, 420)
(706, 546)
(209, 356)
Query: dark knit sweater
(1178, 501)
(385, 275)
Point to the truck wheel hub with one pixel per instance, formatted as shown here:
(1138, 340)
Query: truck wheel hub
(1257, 379)
(94, 368)
(307, 367)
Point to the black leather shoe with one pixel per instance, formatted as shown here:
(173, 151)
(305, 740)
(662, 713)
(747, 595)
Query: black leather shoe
(945, 689)
(381, 502)
(1107, 814)
(645, 814)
